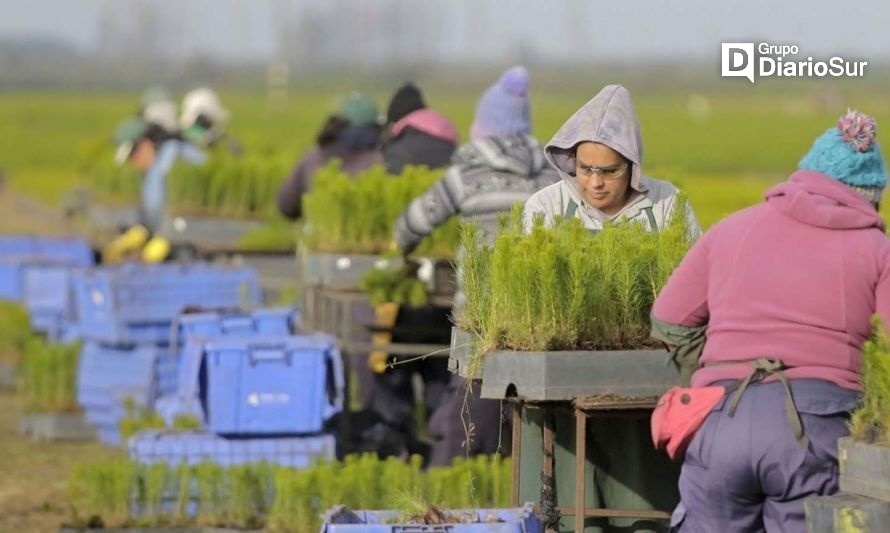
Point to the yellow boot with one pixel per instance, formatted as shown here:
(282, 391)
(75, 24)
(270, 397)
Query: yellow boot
(130, 241)
(156, 250)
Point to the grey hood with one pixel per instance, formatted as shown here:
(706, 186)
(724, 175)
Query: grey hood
(608, 119)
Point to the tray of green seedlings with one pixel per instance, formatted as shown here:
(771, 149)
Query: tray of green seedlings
(864, 456)
(48, 388)
(559, 312)
(226, 185)
(15, 331)
(349, 221)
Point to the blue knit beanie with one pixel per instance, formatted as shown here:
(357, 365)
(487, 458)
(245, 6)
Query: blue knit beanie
(504, 108)
(850, 154)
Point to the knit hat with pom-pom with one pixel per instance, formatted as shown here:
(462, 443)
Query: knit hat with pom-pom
(504, 107)
(850, 154)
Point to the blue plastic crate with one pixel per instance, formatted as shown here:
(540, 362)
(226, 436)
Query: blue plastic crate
(45, 322)
(138, 303)
(17, 245)
(49, 298)
(193, 447)
(107, 376)
(12, 275)
(515, 520)
(69, 251)
(109, 435)
(167, 374)
(272, 385)
(47, 288)
(74, 252)
(54, 327)
(276, 321)
(208, 325)
(65, 333)
(103, 416)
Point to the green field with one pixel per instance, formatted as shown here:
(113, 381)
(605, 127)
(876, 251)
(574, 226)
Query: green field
(723, 146)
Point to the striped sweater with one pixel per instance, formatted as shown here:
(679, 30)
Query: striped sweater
(486, 178)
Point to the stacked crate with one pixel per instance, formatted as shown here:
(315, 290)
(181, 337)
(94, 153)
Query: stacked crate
(23, 261)
(263, 392)
(125, 317)
(18, 254)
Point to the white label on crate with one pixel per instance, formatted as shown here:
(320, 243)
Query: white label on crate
(260, 398)
(97, 297)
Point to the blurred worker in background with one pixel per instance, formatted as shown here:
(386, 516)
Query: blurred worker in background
(351, 135)
(204, 120)
(415, 134)
(152, 150)
(502, 165)
(158, 108)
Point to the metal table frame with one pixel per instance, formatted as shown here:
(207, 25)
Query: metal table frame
(330, 310)
(583, 409)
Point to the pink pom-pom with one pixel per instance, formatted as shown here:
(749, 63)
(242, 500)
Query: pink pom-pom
(857, 130)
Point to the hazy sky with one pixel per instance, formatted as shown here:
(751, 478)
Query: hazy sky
(248, 30)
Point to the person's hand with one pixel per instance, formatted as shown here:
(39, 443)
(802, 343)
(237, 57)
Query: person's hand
(410, 267)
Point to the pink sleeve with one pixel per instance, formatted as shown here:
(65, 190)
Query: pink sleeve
(684, 298)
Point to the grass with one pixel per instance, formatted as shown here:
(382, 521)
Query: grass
(33, 490)
(120, 492)
(138, 418)
(15, 331)
(54, 139)
(48, 377)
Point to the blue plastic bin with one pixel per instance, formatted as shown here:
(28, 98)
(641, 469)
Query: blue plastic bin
(12, 275)
(110, 436)
(274, 321)
(515, 520)
(18, 245)
(47, 287)
(191, 447)
(69, 251)
(272, 385)
(49, 298)
(200, 327)
(74, 251)
(167, 373)
(107, 376)
(138, 303)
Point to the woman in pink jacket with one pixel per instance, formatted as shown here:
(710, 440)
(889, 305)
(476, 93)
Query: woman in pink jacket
(786, 289)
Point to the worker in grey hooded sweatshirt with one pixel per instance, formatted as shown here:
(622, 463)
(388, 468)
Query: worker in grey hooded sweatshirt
(598, 154)
(501, 166)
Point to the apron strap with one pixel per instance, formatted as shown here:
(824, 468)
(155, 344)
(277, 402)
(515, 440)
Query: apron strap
(651, 216)
(764, 367)
(571, 209)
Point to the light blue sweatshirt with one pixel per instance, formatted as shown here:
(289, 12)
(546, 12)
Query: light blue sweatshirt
(154, 184)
